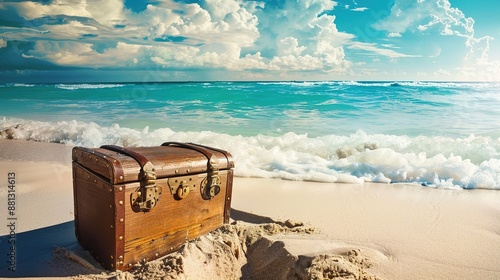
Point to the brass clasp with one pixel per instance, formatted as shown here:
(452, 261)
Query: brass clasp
(148, 194)
(180, 187)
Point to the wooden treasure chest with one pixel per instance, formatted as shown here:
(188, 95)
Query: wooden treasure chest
(136, 204)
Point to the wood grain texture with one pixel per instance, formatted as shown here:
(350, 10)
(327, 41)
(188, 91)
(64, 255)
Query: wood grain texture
(95, 216)
(117, 234)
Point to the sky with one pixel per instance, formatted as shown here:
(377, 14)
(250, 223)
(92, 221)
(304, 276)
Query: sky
(239, 40)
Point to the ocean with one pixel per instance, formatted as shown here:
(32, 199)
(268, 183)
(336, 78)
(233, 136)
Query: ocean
(442, 135)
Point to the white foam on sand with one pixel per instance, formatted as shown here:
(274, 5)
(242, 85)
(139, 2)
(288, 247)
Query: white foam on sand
(438, 161)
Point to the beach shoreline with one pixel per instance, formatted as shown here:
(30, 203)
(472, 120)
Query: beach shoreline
(406, 231)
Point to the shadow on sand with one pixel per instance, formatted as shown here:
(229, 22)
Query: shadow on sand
(238, 215)
(40, 253)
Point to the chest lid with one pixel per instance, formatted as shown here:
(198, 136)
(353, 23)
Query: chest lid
(123, 165)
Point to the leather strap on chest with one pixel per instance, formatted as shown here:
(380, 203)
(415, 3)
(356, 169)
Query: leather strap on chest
(148, 195)
(213, 162)
(212, 186)
(147, 168)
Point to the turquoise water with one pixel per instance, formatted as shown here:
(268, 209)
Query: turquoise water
(439, 134)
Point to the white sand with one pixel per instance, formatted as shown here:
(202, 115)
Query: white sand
(370, 230)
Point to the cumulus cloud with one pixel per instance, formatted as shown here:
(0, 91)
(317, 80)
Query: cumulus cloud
(432, 15)
(439, 17)
(232, 34)
(83, 54)
(280, 35)
(289, 46)
(103, 11)
(300, 35)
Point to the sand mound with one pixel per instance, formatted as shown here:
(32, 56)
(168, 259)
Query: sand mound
(247, 251)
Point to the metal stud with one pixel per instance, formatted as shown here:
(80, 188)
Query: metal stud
(120, 202)
(120, 189)
(121, 237)
(121, 220)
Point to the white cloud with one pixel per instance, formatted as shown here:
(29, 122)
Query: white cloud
(168, 26)
(31, 10)
(83, 54)
(299, 35)
(477, 59)
(289, 46)
(231, 34)
(439, 17)
(410, 15)
(360, 9)
(106, 12)
(442, 73)
(219, 9)
(69, 31)
(371, 47)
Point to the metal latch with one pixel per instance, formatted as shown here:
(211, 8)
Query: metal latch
(148, 194)
(210, 187)
(180, 187)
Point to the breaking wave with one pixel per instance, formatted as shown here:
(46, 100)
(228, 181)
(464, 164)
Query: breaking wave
(461, 85)
(467, 162)
(87, 86)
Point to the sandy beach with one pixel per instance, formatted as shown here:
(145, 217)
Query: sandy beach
(278, 229)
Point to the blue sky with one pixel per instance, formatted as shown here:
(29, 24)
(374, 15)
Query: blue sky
(167, 40)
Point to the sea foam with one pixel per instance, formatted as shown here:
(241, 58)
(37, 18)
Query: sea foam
(438, 161)
(87, 86)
